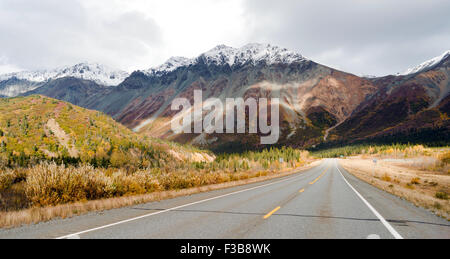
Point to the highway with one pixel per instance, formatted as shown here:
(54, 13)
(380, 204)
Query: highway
(322, 202)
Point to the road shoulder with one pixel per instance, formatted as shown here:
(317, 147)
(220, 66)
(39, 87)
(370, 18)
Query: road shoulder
(419, 188)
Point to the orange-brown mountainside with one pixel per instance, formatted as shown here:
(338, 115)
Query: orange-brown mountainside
(318, 104)
(406, 108)
(313, 98)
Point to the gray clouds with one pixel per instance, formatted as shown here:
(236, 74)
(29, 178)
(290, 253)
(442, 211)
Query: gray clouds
(364, 37)
(51, 33)
(359, 36)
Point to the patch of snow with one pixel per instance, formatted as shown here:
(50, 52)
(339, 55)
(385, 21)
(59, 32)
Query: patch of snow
(369, 76)
(427, 65)
(98, 73)
(223, 55)
(171, 65)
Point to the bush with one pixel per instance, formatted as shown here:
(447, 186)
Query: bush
(6, 180)
(386, 178)
(50, 184)
(445, 158)
(442, 195)
(9, 177)
(415, 181)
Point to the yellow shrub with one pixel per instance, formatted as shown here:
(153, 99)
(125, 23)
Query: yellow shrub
(386, 178)
(445, 158)
(415, 181)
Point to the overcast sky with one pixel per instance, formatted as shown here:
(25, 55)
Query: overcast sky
(365, 37)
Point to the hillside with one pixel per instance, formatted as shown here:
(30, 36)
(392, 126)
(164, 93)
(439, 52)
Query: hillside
(319, 106)
(407, 108)
(313, 97)
(39, 128)
(70, 89)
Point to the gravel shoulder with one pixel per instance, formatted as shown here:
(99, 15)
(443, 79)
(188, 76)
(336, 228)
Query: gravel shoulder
(424, 188)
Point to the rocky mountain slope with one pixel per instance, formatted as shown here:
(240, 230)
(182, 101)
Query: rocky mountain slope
(70, 89)
(14, 84)
(313, 97)
(428, 65)
(318, 104)
(409, 107)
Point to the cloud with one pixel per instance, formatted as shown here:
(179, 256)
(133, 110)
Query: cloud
(51, 33)
(364, 37)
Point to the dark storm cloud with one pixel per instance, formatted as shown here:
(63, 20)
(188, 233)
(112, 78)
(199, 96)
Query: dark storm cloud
(50, 33)
(365, 37)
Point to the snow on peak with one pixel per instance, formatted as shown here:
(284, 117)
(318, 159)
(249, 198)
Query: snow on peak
(170, 65)
(269, 53)
(253, 53)
(98, 73)
(222, 55)
(427, 65)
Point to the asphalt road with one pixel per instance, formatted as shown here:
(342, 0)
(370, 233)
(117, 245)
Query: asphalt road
(323, 202)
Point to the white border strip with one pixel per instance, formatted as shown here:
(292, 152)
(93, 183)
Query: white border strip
(178, 207)
(385, 223)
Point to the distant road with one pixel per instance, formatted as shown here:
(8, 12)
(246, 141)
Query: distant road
(323, 202)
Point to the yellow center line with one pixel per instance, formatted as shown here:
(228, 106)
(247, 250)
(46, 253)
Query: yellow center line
(271, 213)
(318, 178)
(302, 191)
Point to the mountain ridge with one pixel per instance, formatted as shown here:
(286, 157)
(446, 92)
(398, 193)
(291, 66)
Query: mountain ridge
(31, 80)
(405, 105)
(222, 54)
(427, 65)
(318, 103)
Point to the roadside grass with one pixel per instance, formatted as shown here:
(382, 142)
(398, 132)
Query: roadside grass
(413, 156)
(427, 189)
(45, 213)
(49, 184)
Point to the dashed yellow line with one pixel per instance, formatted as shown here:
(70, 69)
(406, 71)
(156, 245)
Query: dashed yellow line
(271, 213)
(318, 178)
(301, 191)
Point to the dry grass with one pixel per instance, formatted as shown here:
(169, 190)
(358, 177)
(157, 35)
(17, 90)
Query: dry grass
(49, 184)
(424, 188)
(41, 214)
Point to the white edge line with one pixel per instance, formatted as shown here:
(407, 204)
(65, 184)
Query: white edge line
(174, 208)
(385, 223)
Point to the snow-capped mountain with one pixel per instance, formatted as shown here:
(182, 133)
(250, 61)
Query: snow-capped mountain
(317, 103)
(427, 65)
(13, 87)
(223, 55)
(98, 73)
(170, 65)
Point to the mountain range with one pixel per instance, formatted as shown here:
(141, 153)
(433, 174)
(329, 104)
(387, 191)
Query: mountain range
(17, 83)
(319, 105)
